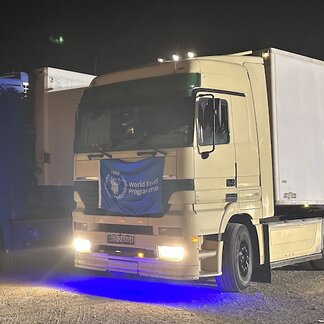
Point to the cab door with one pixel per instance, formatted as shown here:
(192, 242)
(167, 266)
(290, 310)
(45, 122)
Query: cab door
(215, 160)
(247, 157)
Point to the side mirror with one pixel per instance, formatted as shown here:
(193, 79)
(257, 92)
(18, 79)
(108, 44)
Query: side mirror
(206, 124)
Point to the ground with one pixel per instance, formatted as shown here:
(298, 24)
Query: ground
(55, 292)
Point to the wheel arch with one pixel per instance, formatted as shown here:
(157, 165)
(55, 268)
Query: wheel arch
(246, 220)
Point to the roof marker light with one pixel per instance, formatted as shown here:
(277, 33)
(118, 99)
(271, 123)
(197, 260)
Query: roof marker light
(191, 55)
(175, 57)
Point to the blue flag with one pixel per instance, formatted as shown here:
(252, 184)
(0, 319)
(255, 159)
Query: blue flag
(131, 188)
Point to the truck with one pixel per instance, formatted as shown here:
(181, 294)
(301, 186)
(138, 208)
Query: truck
(209, 167)
(36, 143)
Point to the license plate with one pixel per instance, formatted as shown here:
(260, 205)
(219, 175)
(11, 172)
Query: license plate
(121, 239)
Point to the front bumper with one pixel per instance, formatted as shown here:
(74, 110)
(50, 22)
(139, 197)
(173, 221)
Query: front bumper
(149, 267)
(141, 256)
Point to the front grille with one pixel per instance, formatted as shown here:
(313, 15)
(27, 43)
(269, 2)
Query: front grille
(126, 229)
(126, 251)
(89, 193)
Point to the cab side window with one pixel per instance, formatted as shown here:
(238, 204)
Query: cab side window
(213, 114)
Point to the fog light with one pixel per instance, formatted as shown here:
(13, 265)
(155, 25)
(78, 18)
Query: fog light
(82, 245)
(172, 253)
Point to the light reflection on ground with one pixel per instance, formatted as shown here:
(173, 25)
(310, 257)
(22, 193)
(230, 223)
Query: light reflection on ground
(260, 303)
(187, 295)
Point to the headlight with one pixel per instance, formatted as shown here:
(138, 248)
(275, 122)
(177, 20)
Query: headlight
(82, 245)
(172, 253)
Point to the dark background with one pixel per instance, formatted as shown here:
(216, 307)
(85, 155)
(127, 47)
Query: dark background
(103, 36)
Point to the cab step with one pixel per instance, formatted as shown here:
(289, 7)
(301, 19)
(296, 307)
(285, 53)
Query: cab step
(204, 254)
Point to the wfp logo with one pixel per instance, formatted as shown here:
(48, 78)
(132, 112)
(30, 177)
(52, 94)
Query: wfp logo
(115, 185)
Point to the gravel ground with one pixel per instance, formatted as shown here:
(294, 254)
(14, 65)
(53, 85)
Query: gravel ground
(57, 293)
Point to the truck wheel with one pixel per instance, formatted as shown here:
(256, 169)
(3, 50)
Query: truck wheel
(237, 259)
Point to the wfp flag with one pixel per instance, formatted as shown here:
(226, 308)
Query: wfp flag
(131, 188)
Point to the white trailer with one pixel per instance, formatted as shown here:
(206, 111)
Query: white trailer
(297, 119)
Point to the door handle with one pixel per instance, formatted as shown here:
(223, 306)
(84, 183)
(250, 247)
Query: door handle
(230, 182)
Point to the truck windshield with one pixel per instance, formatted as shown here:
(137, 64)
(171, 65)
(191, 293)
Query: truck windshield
(141, 114)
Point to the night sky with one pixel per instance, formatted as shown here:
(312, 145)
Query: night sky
(104, 36)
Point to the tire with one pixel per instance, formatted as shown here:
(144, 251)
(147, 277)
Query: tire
(237, 259)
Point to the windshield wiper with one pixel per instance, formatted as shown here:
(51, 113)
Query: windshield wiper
(151, 152)
(101, 149)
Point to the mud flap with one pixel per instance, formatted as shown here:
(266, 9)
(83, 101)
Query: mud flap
(262, 273)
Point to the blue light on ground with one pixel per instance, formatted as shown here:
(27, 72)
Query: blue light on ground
(139, 290)
(189, 295)
(192, 296)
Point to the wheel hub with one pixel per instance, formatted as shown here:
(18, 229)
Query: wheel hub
(244, 258)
